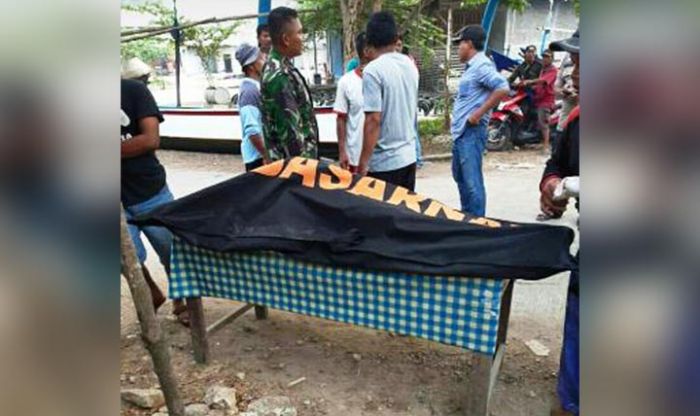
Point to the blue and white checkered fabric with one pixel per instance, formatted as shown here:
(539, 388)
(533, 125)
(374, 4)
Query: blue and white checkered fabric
(456, 311)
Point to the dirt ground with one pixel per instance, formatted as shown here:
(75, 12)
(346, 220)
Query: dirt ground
(394, 375)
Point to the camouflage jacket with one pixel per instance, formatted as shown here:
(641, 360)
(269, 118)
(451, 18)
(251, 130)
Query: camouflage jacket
(289, 123)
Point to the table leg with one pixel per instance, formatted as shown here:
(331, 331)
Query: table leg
(198, 330)
(260, 312)
(477, 403)
(504, 317)
(486, 367)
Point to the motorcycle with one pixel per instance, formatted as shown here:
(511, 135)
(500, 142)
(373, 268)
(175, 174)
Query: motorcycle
(514, 124)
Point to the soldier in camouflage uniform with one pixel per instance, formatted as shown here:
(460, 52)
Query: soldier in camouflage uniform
(289, 123)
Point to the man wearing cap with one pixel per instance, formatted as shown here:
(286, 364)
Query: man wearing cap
(528, 70)
(481, 88)
(143, 180)
(565, 162)
(289, 126)
(543, 88)
(252, 145)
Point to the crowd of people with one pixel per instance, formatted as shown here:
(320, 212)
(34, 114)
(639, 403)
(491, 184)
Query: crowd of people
(376, 107)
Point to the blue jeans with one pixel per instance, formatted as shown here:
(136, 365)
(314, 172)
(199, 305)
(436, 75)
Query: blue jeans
(159, 237)
(467, 154)
(568, 383)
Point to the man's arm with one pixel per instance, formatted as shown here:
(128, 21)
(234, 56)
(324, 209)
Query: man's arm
(282, 114)
(147, 141)
(493, 81)
(259, 145)
(559, 90)
(341, 122)
(547, 78)
(554, 172)
(369, 140)
(493, 100)
(251, 125)
(372, 105)
(341, 108)
(514, 75)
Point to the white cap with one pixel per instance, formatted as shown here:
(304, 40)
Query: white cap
(135, 68)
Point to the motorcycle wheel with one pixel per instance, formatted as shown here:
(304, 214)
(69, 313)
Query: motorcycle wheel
(424, 106)
(498, 136)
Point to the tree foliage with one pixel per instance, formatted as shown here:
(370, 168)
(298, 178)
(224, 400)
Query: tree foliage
(205, 40)
(148, 50)
(423, 30)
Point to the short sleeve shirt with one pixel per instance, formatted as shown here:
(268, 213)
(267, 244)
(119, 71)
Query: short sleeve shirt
(249, 100)
(390, 86)
(349, 103)
(479, 79)
(142, 176)
(544, 93)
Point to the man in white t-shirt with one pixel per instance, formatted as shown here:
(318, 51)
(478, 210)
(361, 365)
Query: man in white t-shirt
(349, 109)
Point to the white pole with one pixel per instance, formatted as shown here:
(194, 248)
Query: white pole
(448, 56)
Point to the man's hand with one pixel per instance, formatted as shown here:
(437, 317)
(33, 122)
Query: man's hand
(362, 170)
(547, 203)
(473, 119)
(344, 160)
(369, 140)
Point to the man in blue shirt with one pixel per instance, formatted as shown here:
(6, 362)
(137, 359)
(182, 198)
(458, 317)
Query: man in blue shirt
(252, 145)
(481, 87)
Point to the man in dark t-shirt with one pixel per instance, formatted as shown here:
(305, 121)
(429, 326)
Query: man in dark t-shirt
(528, 70)
(143, 183)
(564, 162)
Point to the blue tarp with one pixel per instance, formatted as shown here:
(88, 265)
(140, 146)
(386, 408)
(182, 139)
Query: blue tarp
(502, 61)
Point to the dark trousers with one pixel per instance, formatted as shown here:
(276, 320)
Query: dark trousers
(404, 177)
(253, 165)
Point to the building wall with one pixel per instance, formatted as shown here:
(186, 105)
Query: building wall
(510, 31)
(525, 28)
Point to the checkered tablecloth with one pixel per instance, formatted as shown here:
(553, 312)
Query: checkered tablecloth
(456, 311)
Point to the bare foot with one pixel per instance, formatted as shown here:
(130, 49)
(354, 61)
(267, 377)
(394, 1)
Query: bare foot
(181, 312)
(156, 294)
(558, 411)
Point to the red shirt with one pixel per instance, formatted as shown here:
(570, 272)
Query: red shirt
(544, 92)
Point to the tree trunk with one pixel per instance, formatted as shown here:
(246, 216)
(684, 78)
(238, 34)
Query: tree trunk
(349, 10)
(150, 327)
(376, 6)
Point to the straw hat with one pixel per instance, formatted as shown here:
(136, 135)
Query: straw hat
(135, 68)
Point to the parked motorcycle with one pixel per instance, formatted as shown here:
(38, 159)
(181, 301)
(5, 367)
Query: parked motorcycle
(514, 123)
